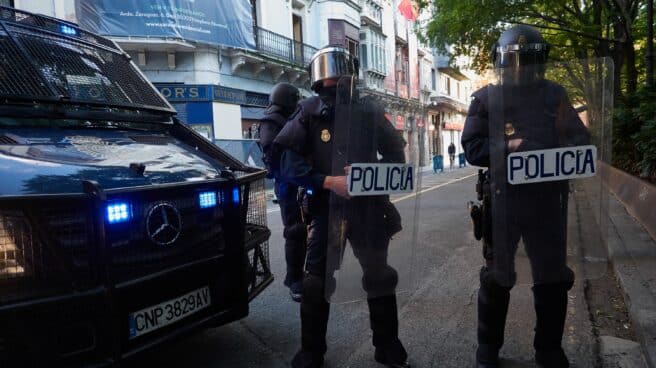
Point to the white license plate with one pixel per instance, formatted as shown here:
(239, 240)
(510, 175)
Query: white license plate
(380, 179)
(157, 316)
(552, 164)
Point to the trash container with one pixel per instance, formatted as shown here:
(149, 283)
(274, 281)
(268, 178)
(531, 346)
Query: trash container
(438, 163)
(461, 160)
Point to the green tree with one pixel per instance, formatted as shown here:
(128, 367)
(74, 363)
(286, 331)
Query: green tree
(576, 29)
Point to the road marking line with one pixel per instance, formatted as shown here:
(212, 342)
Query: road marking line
(433, 188)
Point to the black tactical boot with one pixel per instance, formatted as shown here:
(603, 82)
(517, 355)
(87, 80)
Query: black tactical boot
(314, 324)
(383, 316)
(307, 359)
(493, 302)
(550, 312)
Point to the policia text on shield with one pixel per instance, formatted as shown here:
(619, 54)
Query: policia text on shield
(379, 179)
(552, 164)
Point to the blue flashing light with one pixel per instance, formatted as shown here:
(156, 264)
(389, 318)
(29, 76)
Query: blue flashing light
(309, 191)
(235, 196)
(207, 199)
(118, 212)
(68, 30)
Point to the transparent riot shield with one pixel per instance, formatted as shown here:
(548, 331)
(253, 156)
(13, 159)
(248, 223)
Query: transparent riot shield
(372, 232)
(549, 132)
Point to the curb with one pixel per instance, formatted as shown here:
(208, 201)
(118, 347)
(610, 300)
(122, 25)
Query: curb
(633, 255)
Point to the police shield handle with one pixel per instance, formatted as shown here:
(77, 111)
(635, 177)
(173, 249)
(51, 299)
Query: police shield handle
(337, 185)
(552, 164)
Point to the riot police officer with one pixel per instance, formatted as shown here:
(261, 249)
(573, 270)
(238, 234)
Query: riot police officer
(537, 114)
(306, 160)
(282, 103)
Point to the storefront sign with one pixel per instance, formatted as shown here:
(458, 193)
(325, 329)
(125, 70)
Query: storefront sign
(207, 92)
(179, 92)
(453, 126)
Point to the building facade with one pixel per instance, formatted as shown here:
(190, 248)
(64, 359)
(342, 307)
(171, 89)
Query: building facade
(222, 91)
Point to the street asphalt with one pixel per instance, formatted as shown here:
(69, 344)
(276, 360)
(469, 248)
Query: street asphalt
(437, 318)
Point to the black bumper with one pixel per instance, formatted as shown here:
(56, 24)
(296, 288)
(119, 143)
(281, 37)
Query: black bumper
(91, 328)
(76, 314)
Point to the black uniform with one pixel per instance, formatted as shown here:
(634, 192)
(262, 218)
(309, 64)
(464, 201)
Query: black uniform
(541, 114)
(294, 232)
(306, 160)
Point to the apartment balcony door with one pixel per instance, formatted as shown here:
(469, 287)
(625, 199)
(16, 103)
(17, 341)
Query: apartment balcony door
(297, 30)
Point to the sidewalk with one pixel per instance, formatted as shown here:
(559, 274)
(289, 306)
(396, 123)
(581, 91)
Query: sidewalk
(633, 256)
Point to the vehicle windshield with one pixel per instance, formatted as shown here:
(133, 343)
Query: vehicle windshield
(6, 122)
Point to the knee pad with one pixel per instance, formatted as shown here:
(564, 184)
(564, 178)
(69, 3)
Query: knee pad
(489, 284)
(314, 288)
(296, 232)
(380, 281)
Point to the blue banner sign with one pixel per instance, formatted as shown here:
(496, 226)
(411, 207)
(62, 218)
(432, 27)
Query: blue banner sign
(224, 22)
(208, 92)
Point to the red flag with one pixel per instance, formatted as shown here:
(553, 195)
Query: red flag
(408, 9)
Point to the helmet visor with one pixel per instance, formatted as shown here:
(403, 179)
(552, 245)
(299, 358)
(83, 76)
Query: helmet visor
(517, 59)
(331, 63)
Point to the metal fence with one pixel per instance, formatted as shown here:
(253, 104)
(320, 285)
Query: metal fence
(280, 47)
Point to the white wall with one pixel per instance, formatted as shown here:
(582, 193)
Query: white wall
(206, 67)
(64, 9)
(157, 67)
(319, 13)
(390, 44)
(275, 15)
(227, 121)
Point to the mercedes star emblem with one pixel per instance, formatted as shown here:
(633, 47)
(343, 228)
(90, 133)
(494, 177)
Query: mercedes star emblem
(163, 223)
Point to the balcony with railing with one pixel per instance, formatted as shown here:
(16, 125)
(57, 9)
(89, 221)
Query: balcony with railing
(276, 53)
(372, 12)
(279, 47)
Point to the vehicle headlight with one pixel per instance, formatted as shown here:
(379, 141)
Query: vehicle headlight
(16, 247)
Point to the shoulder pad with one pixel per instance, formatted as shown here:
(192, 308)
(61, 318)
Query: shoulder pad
(481, 94)
(274, 117)
(309, 107)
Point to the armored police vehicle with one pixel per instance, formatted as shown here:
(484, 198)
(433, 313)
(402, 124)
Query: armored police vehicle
(120, 227)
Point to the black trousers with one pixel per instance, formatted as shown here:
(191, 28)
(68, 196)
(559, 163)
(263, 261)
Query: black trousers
(379, 281)
(294, 231)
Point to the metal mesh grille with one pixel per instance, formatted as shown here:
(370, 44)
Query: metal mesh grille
(44, 249)
(134, 254)
(86, 73)
(15, 79)
(46, 58)
(50, 24)
(69, 228)
(256, 237)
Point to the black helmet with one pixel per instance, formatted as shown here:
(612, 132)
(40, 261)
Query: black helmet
(331, 62)
(520, 45)
(284, 96)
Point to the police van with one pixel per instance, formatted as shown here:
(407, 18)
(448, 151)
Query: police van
(120, 227)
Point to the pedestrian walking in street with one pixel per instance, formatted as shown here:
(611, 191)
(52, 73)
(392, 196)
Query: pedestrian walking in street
(307, 160)
(282, 103)
(452, 154)
(522, 112)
